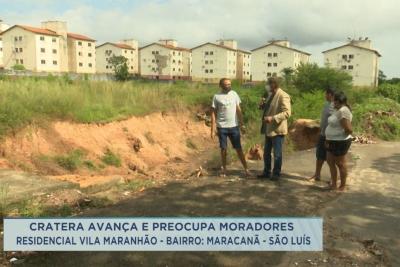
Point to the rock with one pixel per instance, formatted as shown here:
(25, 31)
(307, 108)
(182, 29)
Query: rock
(304, 133)
(136, 143)
(132, 166)
(255, 153)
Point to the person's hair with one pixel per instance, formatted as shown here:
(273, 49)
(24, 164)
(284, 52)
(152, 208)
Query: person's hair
(273, 80)
(221, 82)
(330, 90)
(341, 98)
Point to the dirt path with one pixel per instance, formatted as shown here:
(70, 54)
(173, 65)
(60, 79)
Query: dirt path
(369, 210)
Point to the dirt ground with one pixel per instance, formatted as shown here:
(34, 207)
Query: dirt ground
(360, 225)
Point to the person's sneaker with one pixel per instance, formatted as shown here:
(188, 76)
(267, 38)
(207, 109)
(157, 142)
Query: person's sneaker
(263, 176)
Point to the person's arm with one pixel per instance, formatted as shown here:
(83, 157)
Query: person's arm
(239, 115)
(285, 110)
(213, 124)
(346, 124)
(345, 120)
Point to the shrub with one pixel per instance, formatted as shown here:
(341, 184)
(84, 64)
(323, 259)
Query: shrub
(111, 159)
(391, 91)
(71, 161)
(311, 77)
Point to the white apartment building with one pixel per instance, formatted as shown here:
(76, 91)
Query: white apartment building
(213, 61)
(358, 58)
(126, 48)
(165, 60)
(3, 27)
(270, 59)
(45, 49)
(81, 53)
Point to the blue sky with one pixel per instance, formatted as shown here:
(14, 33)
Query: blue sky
(311, 25)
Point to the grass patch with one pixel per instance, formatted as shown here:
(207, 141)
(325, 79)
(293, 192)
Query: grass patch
(136, 184)
(4, 189)
(190, 144)
(72, 161)
(110, 158)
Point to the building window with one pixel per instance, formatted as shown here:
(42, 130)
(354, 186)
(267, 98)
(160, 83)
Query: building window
(269, 64)
(269, 54)
(79, 53)
(344, 57)
(90, 65)
(16, 49)
(54, 51)
(106, 66)
(173, 61)
(275, 54)
(80, 64)
(54, 62)
(344, 67)
(131, 52)
(274, 74)
(41, 38)
(43, 61)
(157, 60)
(21, 61)
(79, 43)
(206, 70)
(269, 74)
(153, 60)
(20, 49)
(42, 50)
(211, 53)
(54, 40)
(275, 64)
(16, 38)
(211, 71)
(125, 51)
(153, 52)
(351, 56)
(89, 44)
(173, 53)
(89, 54)
(173, 69)
(206, 62)
(211, 62)
(350, 67)
(157, 52)
(206, 53)
(20, 38)
(131, 67)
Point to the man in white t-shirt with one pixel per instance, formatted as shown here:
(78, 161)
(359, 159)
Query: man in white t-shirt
(226, 117)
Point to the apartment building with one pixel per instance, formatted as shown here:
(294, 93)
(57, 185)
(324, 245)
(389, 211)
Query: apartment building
(81, 53)
(126, 48)
(3, 27)
(165, 60)
(45, 49)
(270, 59)
(358, 58)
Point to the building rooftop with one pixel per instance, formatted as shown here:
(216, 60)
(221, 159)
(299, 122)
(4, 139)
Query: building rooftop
(275, 44)
(80, 37)
(222, 46)
(33, 29)
(119, 45)
(356, 46)
(167, 46)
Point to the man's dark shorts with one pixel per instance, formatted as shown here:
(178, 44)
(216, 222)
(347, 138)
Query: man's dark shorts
(320, 152)
(233, 134)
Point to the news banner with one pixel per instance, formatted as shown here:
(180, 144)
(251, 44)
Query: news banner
(163, 234)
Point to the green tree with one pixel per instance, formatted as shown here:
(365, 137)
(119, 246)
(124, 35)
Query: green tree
(120, 66)
(287, 74)
(18, 67)
(310, 77)
(381, 77)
